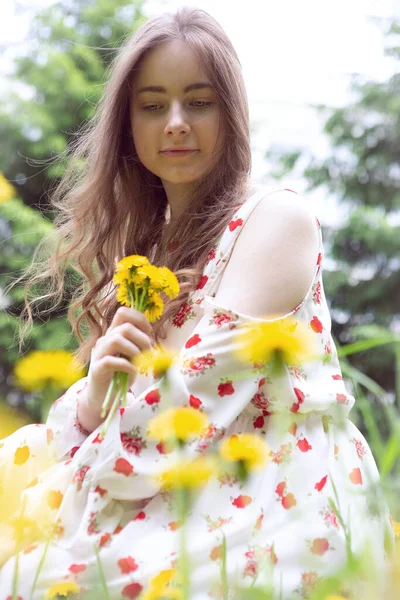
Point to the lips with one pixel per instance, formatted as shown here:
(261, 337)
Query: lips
(177, 152)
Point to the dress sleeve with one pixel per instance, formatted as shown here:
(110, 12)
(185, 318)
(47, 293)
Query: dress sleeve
(64, 431)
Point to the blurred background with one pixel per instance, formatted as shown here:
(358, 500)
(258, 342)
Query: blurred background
(324, 91)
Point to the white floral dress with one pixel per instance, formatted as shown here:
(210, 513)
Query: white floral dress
(279, 525)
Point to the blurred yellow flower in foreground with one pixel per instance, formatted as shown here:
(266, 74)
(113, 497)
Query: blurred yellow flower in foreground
(62, 589)
(159, 586)
(54, 368)
(247, 448)
(10, 420)
(259, 342)
(187, 473)
(7, 191)
(157, 359)
(177, 423)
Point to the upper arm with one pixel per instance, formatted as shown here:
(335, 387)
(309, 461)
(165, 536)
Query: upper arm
(273, 260)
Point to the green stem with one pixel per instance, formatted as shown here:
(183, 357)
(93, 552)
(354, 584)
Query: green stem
(184, 557)
(111, 389)
(224, 578)
(101, 574)
(110, 415)
(143, 297)
(40, 567)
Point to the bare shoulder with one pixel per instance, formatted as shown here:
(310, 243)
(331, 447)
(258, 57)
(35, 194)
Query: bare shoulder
(274, 258)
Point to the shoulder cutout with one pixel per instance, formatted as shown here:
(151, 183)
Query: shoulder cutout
(273, 260)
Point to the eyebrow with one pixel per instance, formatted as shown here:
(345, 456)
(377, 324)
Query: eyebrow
(162, 90)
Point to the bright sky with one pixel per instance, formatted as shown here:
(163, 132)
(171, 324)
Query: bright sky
(293, 53)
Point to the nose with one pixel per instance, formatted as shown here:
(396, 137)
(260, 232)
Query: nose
(177, 122)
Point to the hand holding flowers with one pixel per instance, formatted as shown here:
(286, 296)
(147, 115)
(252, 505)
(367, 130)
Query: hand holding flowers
(139, 288)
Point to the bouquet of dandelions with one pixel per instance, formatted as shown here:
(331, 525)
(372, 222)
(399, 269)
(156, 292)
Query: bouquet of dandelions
(139, 285)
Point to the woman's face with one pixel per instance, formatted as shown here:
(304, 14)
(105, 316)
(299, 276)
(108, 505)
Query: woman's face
(174, 117)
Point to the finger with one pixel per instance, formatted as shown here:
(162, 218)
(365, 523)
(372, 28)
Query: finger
(111, 364)
(117, 344)
(134, 335)
(131, 315)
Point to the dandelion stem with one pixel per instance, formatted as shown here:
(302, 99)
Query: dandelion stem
(107, 400)
(101, 574)
(111, 413)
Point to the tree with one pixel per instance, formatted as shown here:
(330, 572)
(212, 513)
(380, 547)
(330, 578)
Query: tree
(363, 173)
(69, 49)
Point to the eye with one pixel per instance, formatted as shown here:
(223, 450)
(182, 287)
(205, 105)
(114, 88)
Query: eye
(150, 107)
(203, 102)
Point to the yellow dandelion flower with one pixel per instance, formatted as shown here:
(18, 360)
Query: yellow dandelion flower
(335, 598)
(153, 274)
(134, 260)
(258, 342)
(154, 308)
(187, 473)
(166, 593)
(122, 295)
(164, 578)
(246, 447)
(157, 360)
(55, 368)
(170, 282)
(62, 589)
(181, 423)
(396, 528)
(7, 191)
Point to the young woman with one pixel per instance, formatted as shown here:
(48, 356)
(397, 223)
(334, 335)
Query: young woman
(164, 171)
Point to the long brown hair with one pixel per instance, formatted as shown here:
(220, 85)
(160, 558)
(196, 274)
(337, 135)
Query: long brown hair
(108, 205)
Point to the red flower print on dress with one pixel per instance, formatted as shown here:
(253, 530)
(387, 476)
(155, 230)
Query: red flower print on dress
(184, 313)
(140, 516)
(195, 339)
(217, 524)
(293, 429)
(79, 477)
(174, 525)
(342, 399)
(300, 399)
(93, 526)
(258, 423)
(303, 445)
(307, 583)
(77, 568)
(258, 523)
(132, 591)
(163, 448)
(73, 451)
(153, 397)
(30, 548)
(127, 565)
(328, 348)
(317, 292)
(210, 256)
(319, 546)
(356, 477)
(202, 282)
(105, 540)
(234, 224)
(242, 501)
(226, 388)
(337, 377)
(123, 466)
(321, 484)
(216, 553)
(97, 439)
(132, 442)
(289, 501)
(329, 517)
(260, 401)
(194, 402)
(360, 448)
(220, 318)
(194, 366)
(100, 490)
(49, 436)
(280, 489)
(284, 454)
(316, 325)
